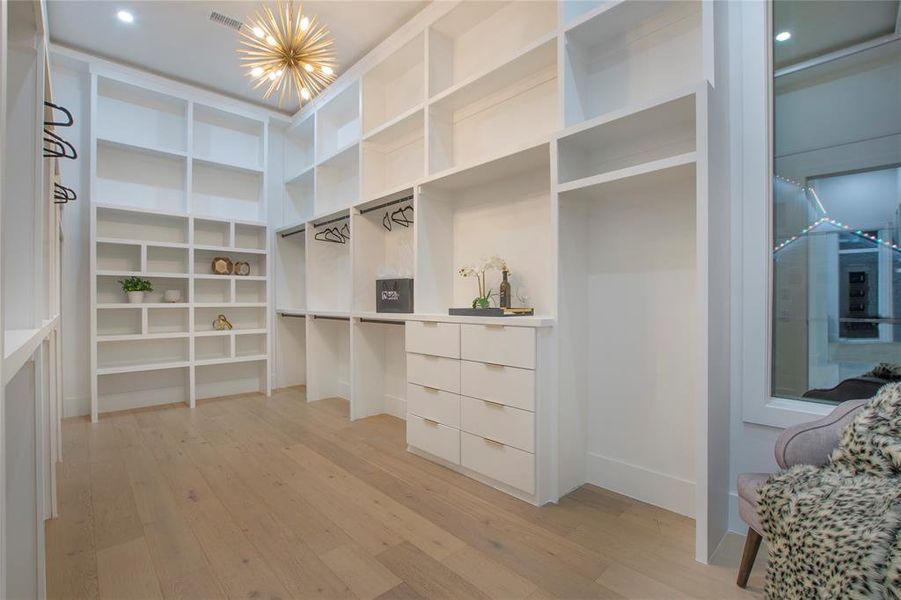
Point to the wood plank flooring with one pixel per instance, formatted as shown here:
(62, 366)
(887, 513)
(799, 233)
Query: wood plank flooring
(255, 497)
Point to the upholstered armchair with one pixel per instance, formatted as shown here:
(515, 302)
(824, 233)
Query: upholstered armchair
(810, 444)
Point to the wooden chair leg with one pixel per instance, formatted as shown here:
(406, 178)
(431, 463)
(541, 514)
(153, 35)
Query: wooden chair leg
(752, 545)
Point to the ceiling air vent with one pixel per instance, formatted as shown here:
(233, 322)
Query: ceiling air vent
(217, 17)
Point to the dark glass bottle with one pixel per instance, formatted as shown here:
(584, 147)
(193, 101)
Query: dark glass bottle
(505, 292)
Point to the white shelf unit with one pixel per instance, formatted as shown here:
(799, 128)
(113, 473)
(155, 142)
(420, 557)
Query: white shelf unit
(513, 104)
(300, 148)
(30, 350)
(543, 126)
(624, 53)
(176, 183)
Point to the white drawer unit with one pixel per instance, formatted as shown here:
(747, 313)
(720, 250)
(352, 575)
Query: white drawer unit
(433, 437)
(506, 385)
(498, 461)
(434, 404)
(500, 344)
(434, 371)
(472, 401)
(510, 426)
(436, 339)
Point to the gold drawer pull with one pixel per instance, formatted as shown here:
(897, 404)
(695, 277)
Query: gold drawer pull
(493, 404)
(494, 443)
(494, 365)
(430, 422)
(429, 323)
(494, 326)
(431, 389)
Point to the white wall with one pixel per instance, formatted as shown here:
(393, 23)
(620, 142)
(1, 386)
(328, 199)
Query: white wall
(71, 88)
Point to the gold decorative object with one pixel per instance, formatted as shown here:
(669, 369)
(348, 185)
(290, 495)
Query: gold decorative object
(242, 268)
(287, 52)
(222, 265)
(220, 323)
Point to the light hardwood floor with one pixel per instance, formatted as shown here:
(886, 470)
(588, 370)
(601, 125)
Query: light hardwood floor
(254, 497)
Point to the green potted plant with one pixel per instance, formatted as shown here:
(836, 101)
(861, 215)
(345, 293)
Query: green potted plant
(134, 288)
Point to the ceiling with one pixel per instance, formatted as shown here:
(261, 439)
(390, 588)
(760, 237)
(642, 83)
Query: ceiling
(175, 38)
(821, 27)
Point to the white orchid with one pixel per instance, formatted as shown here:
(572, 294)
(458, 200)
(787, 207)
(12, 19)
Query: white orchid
(491, 263)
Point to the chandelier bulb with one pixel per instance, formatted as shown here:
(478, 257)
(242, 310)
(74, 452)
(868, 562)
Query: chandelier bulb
(328, 70)
(258, 31)
(308, 67)
(304, 23)
(256, 71)
(305, 93)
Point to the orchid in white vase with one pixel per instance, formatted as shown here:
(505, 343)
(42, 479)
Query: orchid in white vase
(491, 263)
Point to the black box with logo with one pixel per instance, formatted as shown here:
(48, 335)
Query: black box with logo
(394, 295)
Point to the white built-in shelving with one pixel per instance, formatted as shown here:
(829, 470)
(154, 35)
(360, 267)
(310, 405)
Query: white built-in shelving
(176, 183)
(571, 139)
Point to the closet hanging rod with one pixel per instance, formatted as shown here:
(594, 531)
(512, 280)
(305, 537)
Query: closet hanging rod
(292, 315)
(382, 322)
(318, 225)
(325, 318)
(290, 233)
(387, 204)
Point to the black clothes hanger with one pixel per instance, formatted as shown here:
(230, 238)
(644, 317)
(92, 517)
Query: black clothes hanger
(62, 194)
(400, 217)
(69, 119)
(344, 232)
(59, 148)
(334, 235)
(386, 221)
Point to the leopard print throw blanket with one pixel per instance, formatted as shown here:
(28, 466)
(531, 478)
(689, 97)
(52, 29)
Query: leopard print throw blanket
(835, 531)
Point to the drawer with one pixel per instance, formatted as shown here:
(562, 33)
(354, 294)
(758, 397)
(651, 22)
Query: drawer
(434, 404)
(510, 426)
(437, 339)
(506, 385)
(434, 438)
(499, 344)
(499, 462)
(434, 371)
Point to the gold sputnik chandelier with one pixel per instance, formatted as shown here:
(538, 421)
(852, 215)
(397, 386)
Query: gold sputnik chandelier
(287, 52)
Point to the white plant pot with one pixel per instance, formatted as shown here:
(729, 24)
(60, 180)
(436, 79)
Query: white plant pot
(135, 297)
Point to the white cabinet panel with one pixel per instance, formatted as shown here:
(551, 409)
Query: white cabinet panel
(512, 346)
(497, 461)
(434, 438)
(438, 339)
(434, 371)
(510, 426)
(506, 385)
(434, 404)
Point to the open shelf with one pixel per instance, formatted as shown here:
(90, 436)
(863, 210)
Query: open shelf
(250, 345)
(395, 86)
(241, 317)
(226, 377)
(118, 257)
(328, 270)
(123, 390)
(130, 177)
(109, 290)
(628, 301)
(134, 355)
(378, 252)
(338, 123)
(219, 190)
(300, 148)
(503, 209)
(328, 358)
(250, 237)
(249, 291)
(228, 139)
(299, 197)
(162, 321)
(130, 227)
(203, 260)
(503, 109)
(139, 117)
(395, 156)
(650, 134)
(338, 181)
(212, 347)
(119, 322)
(460, 40)
(628, 52)
(212, 290)
(212, 233)
(162, 259)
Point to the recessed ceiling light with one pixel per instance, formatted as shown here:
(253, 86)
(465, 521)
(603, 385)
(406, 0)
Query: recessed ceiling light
(783, 36)
(125, 16)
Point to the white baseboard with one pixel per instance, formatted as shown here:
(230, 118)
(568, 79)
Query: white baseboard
(76, 407)
(396, 406)
(653, 487)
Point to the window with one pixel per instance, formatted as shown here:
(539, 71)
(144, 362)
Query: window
(836, 220)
